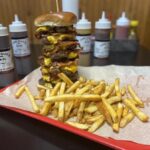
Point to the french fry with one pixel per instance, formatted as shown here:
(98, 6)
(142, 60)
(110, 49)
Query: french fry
(78, 125)
(119, 111)
(63, 77)
(110, 110)
(125, 111)
(96, 124)
(45, 109)
(123, 91)
(42, 93)
(54, 112)
(142, 116)
(55, 89)
(70, 97)
(115, 127)
(82, 79)
(41, 87)
(37, 97)
(80, 111)
(91, 109)
(20, 91)
(99, 88)
(91, 119)
(126, 119)
(61, 108)
(102, 108)
(134, 96)
(47, 94)
(117, 87)
(108, 91)
(68, 108)
(32, 100)
(113, 99)
(83, 90)
(73, 87)
(47, 106)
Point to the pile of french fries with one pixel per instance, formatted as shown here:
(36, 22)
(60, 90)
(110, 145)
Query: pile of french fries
(87, 104)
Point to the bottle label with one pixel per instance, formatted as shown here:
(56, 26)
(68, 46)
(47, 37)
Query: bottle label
(85, 42)
(21, 47)
(6, 61)
(101, 49)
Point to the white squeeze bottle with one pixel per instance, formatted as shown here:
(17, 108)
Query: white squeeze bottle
(83, 29)
(19, 38)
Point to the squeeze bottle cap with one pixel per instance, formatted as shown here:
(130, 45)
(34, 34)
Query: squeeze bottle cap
(17, 25)
(103, 22)
(83, 23)
(3, 31)
(123, 20)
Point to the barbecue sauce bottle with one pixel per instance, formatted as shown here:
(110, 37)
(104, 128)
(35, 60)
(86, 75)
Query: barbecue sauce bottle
(122, 28)
(19, 38)
(6, 56)
(83, 29)
(102, 37)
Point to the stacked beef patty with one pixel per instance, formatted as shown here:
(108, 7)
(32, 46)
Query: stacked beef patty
(60, 50)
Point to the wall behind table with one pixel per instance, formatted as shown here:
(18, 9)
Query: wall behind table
(29, 9)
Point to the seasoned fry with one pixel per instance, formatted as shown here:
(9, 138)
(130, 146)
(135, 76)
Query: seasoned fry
(20, 91)
(99, 88)
(117, 87)
(91, 109)
(45, 109)
(119, 111)
(32, 100)
(83, 90)
(41, 87)
(80, 111)
(125, 120)
(123, 91)
(102, 108)
(91, 119)
(61, 108)
(134, 96)
(114, 99)
(69, 97)
(96, 124)
(108, 91)
(47, 106)
(78, 125)
(115, 127)
(65, 78)
(68, 108)
(73, 87)
(125, 111)
(110, 110)
(142, 116)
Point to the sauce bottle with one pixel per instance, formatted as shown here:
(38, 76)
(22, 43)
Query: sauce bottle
(122, 28)
(19, 38)
(6, 56)
(83, 29)
(102, 37)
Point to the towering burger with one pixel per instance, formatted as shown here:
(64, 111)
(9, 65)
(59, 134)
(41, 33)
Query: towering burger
(60, 50)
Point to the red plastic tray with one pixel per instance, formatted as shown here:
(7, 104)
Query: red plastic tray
(116, 144)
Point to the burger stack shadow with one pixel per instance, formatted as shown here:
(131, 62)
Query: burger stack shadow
(60, 50)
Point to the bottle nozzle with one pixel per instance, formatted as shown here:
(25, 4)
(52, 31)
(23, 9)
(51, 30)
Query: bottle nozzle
(16, 17)
(123, 14)
(83, 15)
(103, 14)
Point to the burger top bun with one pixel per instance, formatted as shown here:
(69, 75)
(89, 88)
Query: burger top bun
(56, 19)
